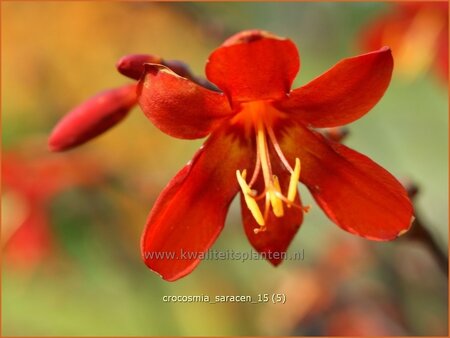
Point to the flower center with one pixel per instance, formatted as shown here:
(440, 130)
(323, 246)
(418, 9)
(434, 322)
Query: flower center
(260, 116)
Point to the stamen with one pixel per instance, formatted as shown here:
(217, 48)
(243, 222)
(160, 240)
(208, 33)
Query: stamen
(249, 200)
(260, 117)
(267, 207)
(257, 168)
(292, 190)
(264, 155)
(258, 230)
(277, 205)
(261, 195)
(305, 208)
(262, 227)
(277, 148)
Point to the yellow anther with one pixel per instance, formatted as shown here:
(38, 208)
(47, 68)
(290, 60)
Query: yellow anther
(241, 180)
(249, 200)
(292, 190)
(277, 204)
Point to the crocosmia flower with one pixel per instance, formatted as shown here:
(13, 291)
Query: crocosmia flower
(417, 32)
(261, 143)
(30, 183)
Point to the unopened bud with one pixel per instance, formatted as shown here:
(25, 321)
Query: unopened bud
(133, 65)
(92, 118)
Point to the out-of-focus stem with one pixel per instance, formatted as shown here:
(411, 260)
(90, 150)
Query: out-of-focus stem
(419, 232)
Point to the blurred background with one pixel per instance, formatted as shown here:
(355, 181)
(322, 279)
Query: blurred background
(71, 222)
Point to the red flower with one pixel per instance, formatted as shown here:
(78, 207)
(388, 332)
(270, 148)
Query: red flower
(261, 143)
(30, 184)
(417, 33)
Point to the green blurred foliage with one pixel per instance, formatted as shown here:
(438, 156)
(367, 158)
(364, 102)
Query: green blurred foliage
(54, 55)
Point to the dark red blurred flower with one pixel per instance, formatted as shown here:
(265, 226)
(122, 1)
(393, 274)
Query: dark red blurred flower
(257, 125)
(417, 32)
(30, 183)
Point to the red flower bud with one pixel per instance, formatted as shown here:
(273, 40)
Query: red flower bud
(132, 65)
(92, 118)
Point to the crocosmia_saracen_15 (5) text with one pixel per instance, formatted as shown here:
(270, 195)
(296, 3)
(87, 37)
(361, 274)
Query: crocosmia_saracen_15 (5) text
(262, 140)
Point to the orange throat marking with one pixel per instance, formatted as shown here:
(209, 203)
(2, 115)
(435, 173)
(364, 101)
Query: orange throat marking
(260, 116)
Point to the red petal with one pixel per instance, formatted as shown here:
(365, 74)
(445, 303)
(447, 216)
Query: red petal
(92, 118)
(279, 233)
(355, 192)
(190, 212)
(178, 106)
(254, 65)
(132, 65)
(344, 93)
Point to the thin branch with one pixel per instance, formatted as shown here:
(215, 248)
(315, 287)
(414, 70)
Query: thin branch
(419, 232)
